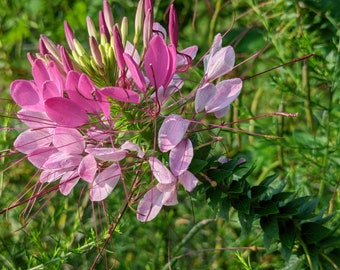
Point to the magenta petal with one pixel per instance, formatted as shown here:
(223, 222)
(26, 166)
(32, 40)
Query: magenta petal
(65, 112)
(188, 180)
(227, 92)
(25, 94)
(39, 72)
(160, 172)
(60, 160)
(72, 80)
(220, 63)
(150, 205)
(203, 95)
(67, 182)
(121, 94)
(107, 154)
(68, 140)
(171, 132)
(136, 73)
(104, 183)
(180, 157)
(30, 140)
(157, 71)
(50, 90)
(87, 168)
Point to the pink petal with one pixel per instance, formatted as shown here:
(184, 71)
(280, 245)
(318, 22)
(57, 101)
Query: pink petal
(180, 157)
(150, 205)
(68, 140)
(87, 168)
(203, 95)
(160, 172)
(184, 57)
(67, 182)
(220, 63)
(30, 140)
(65, 112)
(121, 94)
(60, 160)
(227, 92)
(135, 71)
(107, 154)
(222, 112)
(171, 132)
(104, 183)
(173, 26)
(157, 71)
(25, 94)
(188, 180)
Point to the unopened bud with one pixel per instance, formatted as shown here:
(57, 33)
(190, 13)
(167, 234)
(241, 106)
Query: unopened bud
(95, 51)
(108, 17)
(124, 28)
(50, 46)
(91, 29)
(69, 35)
(138, 21)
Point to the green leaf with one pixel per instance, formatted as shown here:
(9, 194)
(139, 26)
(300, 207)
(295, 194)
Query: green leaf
(241, 204)
(268, 180)
(266, 208)
(287, 234)
(224, 208)
(246, 222)
(306, 210)
(313, 232)
(282, 196)
(257, 191)
(197, 165)
(270, 229)
(236, 187)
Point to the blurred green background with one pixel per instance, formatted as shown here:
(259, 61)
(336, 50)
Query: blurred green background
(265, 34)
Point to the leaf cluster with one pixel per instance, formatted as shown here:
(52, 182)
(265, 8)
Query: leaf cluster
(289, 223)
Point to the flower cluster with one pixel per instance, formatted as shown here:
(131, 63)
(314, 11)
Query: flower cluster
(117, 112)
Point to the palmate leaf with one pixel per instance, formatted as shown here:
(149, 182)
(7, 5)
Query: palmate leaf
(270, 227)
(287, 235)
(313, 232)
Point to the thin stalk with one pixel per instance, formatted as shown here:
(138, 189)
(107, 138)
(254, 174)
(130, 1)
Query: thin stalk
(214, 20)
(306, 88)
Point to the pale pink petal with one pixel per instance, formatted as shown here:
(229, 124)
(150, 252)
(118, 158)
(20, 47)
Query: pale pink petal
(222, 112)
(105, 182)
(136, 73)
(184, 57)
(160, 172)
(121, 94)
(60, 160)
(171, 132)
(68, 140)
(227, 92)
(220, 63)
(67, 182)
(188, 180)
(35, 119)
(172, 63)
(49, 176)
(151, 204)
(180, 157)
(25, 94)
(170, 197)
(216, 46)
(65, 112)
(133, 147)
(30, 140)
(39, 156)
(107, 154)
(203, 95)
(87, 168)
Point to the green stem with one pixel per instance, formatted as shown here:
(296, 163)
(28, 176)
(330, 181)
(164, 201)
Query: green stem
(213, 21)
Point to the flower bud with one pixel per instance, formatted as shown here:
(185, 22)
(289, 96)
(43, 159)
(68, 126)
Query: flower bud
(69, 35)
